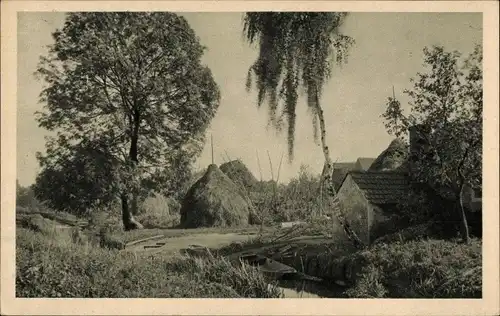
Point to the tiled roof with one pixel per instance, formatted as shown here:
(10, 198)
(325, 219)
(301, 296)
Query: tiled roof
(344, 165)
(340, 170)
(382, 187)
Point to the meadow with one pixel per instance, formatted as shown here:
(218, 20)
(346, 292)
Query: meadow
(63, 255)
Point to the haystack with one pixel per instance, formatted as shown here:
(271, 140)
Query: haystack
(393, 158)
(239, 173)
(215, 201)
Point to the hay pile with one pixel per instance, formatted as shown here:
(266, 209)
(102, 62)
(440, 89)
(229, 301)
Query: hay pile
(215, 201)
(239, 173)
(393, 158)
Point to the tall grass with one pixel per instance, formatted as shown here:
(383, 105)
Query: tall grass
(53, 266)
(246, 280)
(417, 269)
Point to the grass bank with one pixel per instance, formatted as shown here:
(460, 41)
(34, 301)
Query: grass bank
(53, 265)
(393, 268)
(416, 269)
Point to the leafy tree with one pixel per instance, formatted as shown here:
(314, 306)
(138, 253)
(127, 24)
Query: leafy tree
(298, 50)
(130, 86)
(76, 181)
(446, 107)
(25, 197)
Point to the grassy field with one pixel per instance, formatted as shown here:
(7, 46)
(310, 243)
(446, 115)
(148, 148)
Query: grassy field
(52, 263)
(56, 258)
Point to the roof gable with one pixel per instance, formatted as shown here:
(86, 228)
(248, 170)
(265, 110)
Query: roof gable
(382, 187)
(340, 171)
(364, 163)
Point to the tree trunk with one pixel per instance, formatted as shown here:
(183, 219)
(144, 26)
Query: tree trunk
(327, 167)
(128, 212)
(464, 227)
(134, 204)
(327, 191)
(129, 222)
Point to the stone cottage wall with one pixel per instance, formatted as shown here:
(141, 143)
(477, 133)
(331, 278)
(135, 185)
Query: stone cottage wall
(355, 207)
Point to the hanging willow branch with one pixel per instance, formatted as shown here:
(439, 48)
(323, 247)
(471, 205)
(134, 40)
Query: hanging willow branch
(296, 49)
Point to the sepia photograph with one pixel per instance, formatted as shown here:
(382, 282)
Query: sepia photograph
(263, 154)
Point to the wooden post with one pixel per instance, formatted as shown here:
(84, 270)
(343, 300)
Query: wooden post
(279, 168)
(258, 163)
(270, 165)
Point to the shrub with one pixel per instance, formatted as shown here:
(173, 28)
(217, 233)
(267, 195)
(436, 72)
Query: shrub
(416, 208)
(416, 232)
(25, 198)
(294, 201)
(417, 269)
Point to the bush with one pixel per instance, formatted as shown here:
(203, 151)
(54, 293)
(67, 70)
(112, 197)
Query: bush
(416, 232)
(25, 198)
(417, 269)
(416, 208)
(46, 267)
(297, 200)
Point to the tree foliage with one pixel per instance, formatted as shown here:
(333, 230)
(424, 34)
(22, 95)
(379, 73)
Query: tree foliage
(446, 108)
(297, 50)
(25, 197)
(126, 93)
(80, 180)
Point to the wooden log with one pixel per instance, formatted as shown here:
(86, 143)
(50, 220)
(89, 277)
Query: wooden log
(135, 242)
(151, 246)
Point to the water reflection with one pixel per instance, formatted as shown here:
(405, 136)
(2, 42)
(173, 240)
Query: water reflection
(308, 289)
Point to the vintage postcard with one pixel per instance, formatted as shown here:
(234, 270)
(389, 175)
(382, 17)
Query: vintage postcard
(250, 158)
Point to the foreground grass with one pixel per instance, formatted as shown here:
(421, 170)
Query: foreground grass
(60, 263)
(417, 269)
(53, 265)
(392, 268)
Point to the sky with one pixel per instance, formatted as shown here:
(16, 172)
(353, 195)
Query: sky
(387, 53)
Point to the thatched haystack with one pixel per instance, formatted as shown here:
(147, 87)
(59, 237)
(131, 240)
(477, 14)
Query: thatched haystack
(215, 201)
(239, 173)
(393, 158)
